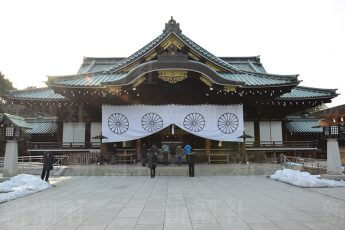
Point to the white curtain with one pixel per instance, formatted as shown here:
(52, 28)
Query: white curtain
(96, 129)
(73, 132)
(271, 131)
(124, 123)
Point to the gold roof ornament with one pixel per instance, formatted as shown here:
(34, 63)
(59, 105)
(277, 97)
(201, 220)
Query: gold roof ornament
(172, 40)
(193, 56)
(138, 82)
(172, 76)
(229, 88)
(151, 56)
(205, 80)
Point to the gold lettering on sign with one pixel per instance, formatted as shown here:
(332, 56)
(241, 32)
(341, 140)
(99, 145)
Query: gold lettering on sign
(229, 88)
(172, 76)
(151, 56)
(172, 41)
(204, 79)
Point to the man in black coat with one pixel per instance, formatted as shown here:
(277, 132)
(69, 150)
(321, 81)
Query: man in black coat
(191, 162)
(48, 161)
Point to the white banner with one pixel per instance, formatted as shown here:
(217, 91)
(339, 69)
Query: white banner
(215, 122)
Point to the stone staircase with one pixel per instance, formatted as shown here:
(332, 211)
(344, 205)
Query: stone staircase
(161, 170)
(170, 170)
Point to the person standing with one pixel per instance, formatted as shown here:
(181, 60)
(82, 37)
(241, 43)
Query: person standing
(165, 151)
(48, 161)
(143, 154)
(187, 152)
(152, 160)
(113, 153)
(191, 163)
(179, 152)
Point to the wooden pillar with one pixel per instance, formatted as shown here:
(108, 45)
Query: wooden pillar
(207, 148)
(103, 151)
(138, 148)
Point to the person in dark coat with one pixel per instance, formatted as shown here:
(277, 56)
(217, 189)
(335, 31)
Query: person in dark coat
(48, 161)
(113, 152)
(152, 160)
(191, 163)
(143, 154)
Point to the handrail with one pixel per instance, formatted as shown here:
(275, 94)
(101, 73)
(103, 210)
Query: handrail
(95, 145)
(289, 161)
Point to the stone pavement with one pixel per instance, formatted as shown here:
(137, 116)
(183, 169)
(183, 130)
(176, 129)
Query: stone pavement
(173, 202)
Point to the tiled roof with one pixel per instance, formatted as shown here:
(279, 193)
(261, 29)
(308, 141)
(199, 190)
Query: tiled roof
(252, 79)
(17, 121)
(43, 128)
(140, 53)
(306, 92)
(303, 126)
(90, 80)
(36, 94)
(98, 65)
(205, 53)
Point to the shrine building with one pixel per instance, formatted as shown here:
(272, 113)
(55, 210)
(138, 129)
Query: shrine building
(174, 91)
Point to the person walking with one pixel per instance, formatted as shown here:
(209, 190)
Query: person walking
(143, 154)
(48, 161)
(179, 152)
(152, 160)
(165, 151)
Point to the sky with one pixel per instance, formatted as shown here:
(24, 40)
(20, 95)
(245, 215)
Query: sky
(44, 37)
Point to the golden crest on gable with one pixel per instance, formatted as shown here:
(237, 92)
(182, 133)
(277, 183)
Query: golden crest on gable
(172, 76)
(172, 40)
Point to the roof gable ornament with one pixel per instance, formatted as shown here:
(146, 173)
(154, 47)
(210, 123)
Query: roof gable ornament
(172, 26)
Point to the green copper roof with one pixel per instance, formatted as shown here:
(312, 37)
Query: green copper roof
(36, 94)
(17, 121)
(90, 80)
(300, 92)
(43, 128)
(92, 65)
(303, 126)
(252, 79)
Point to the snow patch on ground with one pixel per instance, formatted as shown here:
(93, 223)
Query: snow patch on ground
(20, 186)
(304, 179)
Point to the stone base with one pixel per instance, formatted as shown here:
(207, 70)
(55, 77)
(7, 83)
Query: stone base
(11, 159)
(332, 177)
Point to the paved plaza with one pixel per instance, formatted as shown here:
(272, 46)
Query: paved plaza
(175, 202)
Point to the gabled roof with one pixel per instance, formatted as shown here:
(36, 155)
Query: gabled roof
(301, 93)
(110, 69)
(42, 125)
(16, 120)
